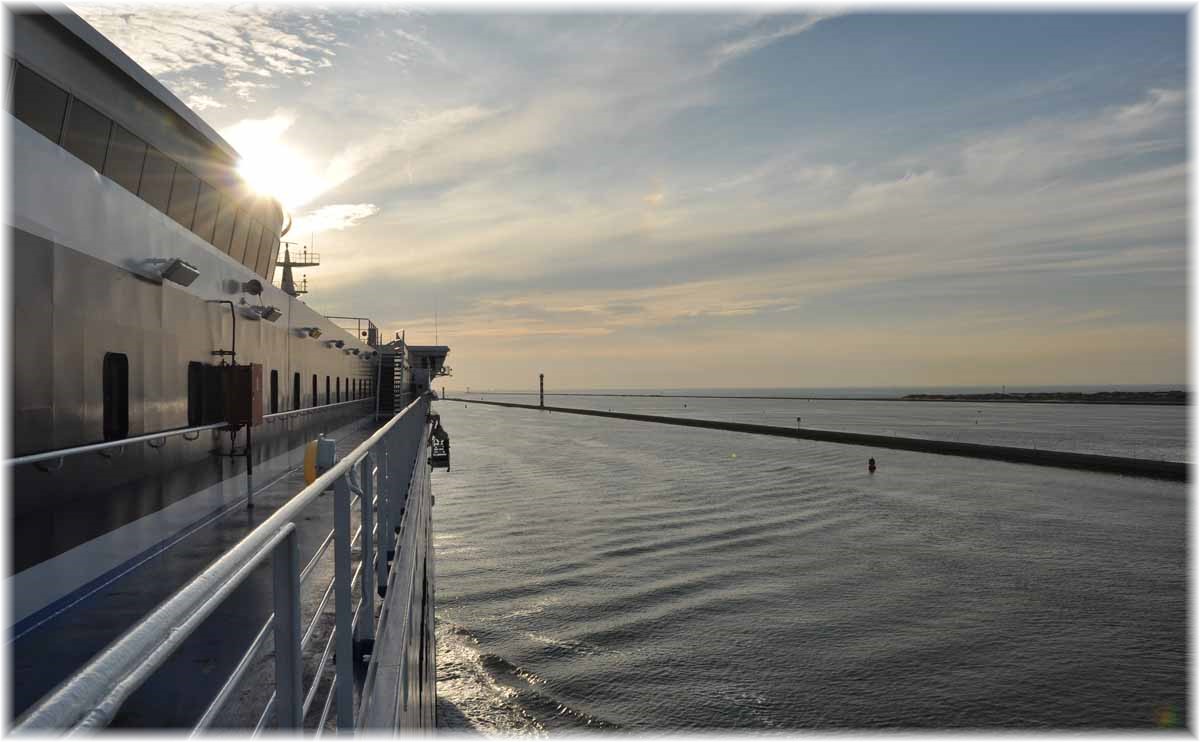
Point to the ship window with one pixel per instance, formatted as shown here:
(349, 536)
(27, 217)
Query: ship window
(296, 391)
(39, 103)
(339, 389)
(224, 230)
(206, 211)
(274, 391)
(314, 391)
(155, 188)
(116, 396)
(126, 154)
(264, 254)
(250, 259)
(326, 390)
(195, 390)
(87, 134)
(272, 263)
(241, 228)
(184, 192)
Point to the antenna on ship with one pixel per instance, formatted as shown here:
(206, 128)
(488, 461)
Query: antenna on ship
(305, 259)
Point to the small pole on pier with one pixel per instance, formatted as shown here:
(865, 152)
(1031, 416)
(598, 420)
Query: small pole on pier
(541, 390)
(797, 424)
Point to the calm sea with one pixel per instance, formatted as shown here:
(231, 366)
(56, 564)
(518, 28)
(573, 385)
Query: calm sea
(609, 573)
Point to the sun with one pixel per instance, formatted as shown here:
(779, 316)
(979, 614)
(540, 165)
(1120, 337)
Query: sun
(277, 170)
(272, 167)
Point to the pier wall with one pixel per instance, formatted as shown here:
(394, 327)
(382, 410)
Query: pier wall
(1171, 470)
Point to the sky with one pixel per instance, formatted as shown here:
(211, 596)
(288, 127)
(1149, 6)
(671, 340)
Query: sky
(734, 199)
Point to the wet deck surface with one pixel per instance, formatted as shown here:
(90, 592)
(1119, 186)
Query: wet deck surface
(178, 693)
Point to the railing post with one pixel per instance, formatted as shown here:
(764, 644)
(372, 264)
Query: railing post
(342, 607)
(366, 621)
(385, 529)
(385, 497)
(285, 563)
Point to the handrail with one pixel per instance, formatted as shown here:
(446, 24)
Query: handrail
(94, 693)
(93, 447)
(93, 696)
(63, 453)
(311, 410)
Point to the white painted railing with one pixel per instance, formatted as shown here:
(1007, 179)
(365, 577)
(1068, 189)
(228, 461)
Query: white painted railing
(380, 473)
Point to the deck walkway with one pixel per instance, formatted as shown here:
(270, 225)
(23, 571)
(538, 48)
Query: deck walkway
(179, 692)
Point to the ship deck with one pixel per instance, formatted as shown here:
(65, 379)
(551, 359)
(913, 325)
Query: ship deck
(178, 693)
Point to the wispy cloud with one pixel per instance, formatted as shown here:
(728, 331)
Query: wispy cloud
(763, 36)
(245, 45)
(333, 218)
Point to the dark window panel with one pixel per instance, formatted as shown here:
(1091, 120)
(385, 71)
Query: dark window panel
(296, 390)
(273, 260)
(274, 391)
(126, 155)
(39, 103)
(241, 230)
(87, 134)
(314, 391)
(116, 396)
(157, 173)
(184, 192)
(224, 230)
(206, 212)
(250, 259)
(195, 382)
(265, 244)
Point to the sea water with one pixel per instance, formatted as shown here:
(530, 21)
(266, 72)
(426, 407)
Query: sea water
(597, 573)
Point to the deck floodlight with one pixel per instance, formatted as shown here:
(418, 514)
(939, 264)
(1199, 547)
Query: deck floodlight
(314, 332)
(339, 343)
(181, 272)
(253, 287)
(269, 313)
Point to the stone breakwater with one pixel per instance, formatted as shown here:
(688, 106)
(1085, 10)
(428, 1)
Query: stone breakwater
(1170, 470)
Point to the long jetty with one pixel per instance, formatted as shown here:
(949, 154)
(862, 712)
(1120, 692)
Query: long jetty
(1151, 468)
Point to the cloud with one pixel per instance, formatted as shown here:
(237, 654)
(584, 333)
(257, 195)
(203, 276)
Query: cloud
(203, 102)
(335, 217)
(751, 42)
(244, 44)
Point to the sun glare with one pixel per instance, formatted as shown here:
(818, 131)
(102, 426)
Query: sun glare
(271, 167)
(279, 171)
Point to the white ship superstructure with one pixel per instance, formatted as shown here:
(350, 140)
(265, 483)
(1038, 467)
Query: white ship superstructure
(142, 264)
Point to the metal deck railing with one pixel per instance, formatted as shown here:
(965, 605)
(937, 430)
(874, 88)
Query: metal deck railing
(388, 476)
(156, 440)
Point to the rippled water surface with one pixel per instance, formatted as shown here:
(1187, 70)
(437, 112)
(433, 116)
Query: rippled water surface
(614, 573)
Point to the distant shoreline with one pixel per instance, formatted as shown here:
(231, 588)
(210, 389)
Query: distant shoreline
(1173, 397)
